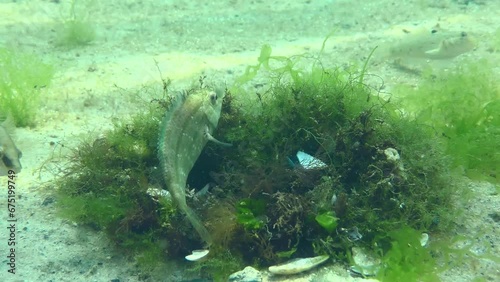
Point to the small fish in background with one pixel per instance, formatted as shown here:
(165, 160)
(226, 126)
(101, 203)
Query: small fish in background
(434, 44)
(9, 154)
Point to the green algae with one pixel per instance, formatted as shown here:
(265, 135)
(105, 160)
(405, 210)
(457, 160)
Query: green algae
(263, 206)
(404, 258)
(76, 29)
(22, 78)
(462, 106)
(327, 220)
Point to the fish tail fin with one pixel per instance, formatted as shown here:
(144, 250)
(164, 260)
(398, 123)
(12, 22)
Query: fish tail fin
(198, 225)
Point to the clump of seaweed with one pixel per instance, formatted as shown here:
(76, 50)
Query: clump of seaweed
(105, 186)
(22, 78)
(382, 170)
(379, 171)
(76, 29)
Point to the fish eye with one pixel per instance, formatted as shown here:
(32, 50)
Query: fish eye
(7, 161)
(213, 97)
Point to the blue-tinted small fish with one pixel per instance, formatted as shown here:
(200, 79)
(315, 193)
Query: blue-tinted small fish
(10, 155)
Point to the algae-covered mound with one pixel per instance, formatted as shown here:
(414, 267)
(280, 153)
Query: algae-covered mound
(374, 170)
(318, 164)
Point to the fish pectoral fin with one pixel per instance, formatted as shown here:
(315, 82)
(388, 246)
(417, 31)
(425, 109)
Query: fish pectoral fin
(432, 52)
(211, 138)
(436, 51)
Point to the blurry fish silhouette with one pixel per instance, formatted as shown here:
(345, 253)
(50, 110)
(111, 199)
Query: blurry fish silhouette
(434, 44)
(9, 153)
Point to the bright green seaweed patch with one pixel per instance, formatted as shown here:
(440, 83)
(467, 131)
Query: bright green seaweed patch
(22, 77)
(248, 213)
(462, 106)
(405, 259)
(327, 220)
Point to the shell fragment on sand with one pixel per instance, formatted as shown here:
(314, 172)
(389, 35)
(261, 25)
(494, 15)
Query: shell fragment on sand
(424, 239)
(197, 255)
(298, 265)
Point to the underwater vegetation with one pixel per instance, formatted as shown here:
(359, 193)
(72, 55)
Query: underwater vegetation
(106, 183)
(22, 76)
(75, 30)
(318, 165)
(462, 106)
(406, 259)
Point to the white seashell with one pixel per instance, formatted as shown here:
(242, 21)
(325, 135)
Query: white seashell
(334, 199)
(392, 154)
(297, 265)
(309, 162)
(424, 239)
(197, 255)
(160, 193)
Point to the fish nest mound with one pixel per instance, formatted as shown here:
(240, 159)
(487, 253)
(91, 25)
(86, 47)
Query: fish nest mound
(379, 170)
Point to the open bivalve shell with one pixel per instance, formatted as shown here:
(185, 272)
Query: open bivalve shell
(197, 255)
(297, 265)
